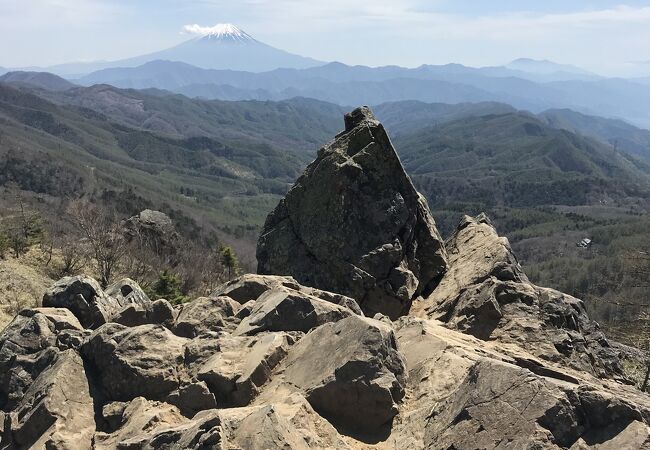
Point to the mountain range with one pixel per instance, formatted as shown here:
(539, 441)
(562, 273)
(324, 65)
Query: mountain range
(350, 85)
(226, 63)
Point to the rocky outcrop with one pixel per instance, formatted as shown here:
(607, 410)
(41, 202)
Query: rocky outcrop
(485, 359)
(30, 344)
(56, 411)
(205, 314)
(153, 230)
(485, 293)
(284, 310)
(243, 365)
(353, 223)
(360, 382)
(135, 361)
(251, 287)
(90, 303)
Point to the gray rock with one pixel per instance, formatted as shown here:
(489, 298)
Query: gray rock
(468, 394)
(192, 398)
(56, 412)
(242, 365)
(250, 287)
(289, 423)
(485, 293)
(154, 230)
(353, 223)
(85, 298)
(288, 310)
(128, 292)
(92, 305)
(28, 345)
(350, 371)
(204, 314)
(143, 361)
(159, 312)
(131, 419)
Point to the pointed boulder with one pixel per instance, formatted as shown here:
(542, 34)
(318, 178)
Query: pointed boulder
(353, 223)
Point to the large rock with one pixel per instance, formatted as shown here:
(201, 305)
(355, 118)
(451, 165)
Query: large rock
(128, 292)
(350, 371)
(466, 394)
(28, 345)
(56, 411)
(250, 287)
(90, 303)
(287, 424)
(204, 314)
(143, 361)
(241, 365)
(127, 420)
(353, 223)
(485, 293)
(287, 310)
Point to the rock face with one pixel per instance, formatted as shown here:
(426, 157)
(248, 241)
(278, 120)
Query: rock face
(353, 223)
(485, 293)
(359, 384)
(486, 360)
(88, 301)
(154, 231)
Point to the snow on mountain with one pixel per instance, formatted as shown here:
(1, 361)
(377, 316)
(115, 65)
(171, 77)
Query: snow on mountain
(225, 32)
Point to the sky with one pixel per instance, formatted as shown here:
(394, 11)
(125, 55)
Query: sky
(608, 37)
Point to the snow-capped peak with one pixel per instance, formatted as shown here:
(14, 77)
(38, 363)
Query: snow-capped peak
(221, 31)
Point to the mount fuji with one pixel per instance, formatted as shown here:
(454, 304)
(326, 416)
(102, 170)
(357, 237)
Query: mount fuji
(223, 46)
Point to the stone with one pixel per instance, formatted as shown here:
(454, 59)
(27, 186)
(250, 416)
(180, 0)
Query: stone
(250, 287)
(128, 292)
(155, 231)
(354, 224)
(28, 345)
(242, 365)
(350, 371)
(472, 394)
(159, 312)
(94, 306)
(85, 298)
(56, 411)
(128, 362)
(192, 398)
(290, 423)
(287, 310)
(204, 314)
(139, 416)
(485, 293)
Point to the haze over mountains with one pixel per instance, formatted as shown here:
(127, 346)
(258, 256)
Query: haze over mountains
(226, 63)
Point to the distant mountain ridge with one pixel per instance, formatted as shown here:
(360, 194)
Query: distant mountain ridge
(43, 80)
(353, 85)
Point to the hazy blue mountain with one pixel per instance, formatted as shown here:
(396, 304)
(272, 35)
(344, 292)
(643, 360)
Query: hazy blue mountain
(224, 47)
(546, 67)
(42, 80)
(353, 85)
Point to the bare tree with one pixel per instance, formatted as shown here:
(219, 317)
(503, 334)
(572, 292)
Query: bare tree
(104, 234)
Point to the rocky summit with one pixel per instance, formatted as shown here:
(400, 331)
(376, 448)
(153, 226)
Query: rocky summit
(353, 223)
(363, 330)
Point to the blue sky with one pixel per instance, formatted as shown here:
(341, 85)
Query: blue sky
(604, 36)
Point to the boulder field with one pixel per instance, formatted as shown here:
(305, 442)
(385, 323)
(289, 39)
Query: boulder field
(363, 329)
